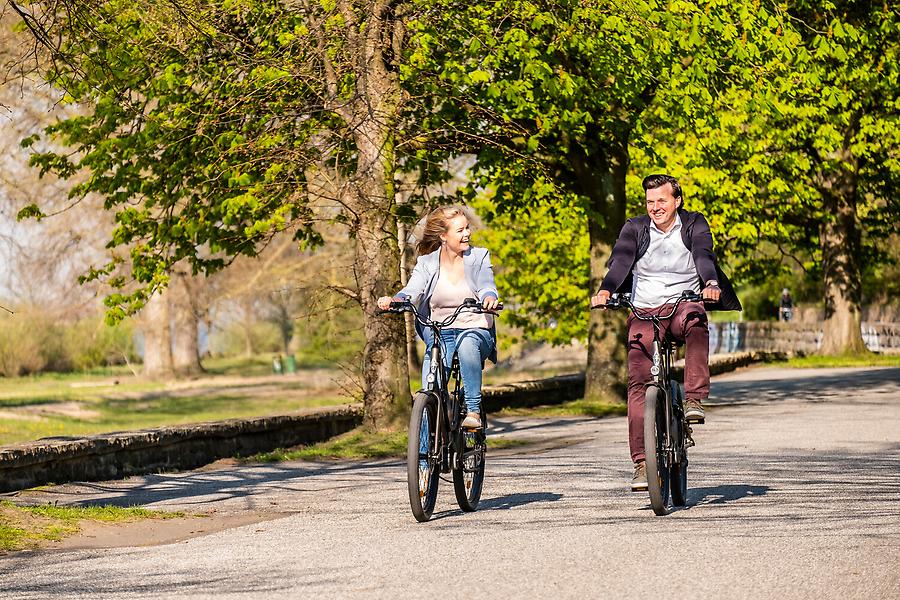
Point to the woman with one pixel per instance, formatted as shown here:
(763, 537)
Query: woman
(448, 271)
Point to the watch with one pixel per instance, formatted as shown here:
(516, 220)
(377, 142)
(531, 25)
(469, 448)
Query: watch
(712, 283)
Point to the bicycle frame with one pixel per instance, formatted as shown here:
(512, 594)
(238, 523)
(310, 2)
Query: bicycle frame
(663, 358)
(438, 379)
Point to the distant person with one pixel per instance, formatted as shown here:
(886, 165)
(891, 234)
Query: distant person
(786, 306)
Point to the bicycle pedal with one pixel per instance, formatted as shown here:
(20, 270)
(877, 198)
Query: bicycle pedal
(695, 421)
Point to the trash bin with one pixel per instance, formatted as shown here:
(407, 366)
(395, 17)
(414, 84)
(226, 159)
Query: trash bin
(276, 365)
(290, 364)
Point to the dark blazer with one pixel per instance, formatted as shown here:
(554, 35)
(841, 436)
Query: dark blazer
(634, 239)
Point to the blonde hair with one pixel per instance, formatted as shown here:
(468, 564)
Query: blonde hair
(436, 224)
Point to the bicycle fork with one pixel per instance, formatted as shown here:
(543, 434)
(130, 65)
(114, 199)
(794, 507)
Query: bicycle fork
(656, 371)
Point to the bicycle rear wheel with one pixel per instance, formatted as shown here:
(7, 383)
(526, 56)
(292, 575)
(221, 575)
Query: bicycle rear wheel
(654, 442)
(422, 469)
(468, 467)
(679, 469)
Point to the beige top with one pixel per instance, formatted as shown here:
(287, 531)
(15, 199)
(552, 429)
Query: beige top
(448, 296)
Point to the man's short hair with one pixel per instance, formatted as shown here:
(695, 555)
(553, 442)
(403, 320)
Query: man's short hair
(651, 182)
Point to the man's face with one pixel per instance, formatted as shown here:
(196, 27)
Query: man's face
(662, 206)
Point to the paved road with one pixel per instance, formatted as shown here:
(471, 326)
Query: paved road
(795, 493)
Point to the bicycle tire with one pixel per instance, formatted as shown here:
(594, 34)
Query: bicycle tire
(468, 473)
(678, 482)
(654, 431)
(421, 469)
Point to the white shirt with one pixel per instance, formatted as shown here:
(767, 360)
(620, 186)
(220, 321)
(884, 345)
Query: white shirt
(448, 296)
(665, 270)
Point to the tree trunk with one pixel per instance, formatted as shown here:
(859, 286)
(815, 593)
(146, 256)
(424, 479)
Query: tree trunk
(157, 337)
(377, 266)
(840, 240)
(185, 322)
(604, 185)
(407, 260)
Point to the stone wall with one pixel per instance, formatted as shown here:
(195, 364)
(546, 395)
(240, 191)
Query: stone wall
(117, 455)
(775, 336)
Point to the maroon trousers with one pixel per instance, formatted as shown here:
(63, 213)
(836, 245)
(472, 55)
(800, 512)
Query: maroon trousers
(688, 324)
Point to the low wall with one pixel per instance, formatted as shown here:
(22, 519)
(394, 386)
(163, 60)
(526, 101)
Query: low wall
(117, 455)
(775, 336)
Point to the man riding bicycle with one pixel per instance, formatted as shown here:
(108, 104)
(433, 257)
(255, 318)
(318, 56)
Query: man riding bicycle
(655, 258)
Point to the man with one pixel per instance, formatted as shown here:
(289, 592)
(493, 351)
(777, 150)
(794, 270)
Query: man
(655, 258)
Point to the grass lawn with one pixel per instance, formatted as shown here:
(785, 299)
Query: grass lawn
(573, 408)
(26, 527)
(52, 405)
(846, 360)
(358, 444)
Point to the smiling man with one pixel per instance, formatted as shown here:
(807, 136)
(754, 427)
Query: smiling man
(656, 257)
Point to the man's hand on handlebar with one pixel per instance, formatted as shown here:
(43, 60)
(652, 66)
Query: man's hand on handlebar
(600, 299)
(711, 292)
(384, 302)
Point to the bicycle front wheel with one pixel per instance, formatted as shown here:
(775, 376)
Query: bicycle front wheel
(422, 469)
(654, 442)
(679, 469)
(468, 467)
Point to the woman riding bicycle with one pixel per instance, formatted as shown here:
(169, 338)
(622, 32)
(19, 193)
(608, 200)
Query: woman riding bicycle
(448, 271)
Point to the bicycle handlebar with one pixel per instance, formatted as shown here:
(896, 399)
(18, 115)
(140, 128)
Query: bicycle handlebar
(468, 305)
(616, 302)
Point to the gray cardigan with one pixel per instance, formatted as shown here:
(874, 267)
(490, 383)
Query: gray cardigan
(479, 275)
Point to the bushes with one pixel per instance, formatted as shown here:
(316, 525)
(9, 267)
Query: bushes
(32, 341)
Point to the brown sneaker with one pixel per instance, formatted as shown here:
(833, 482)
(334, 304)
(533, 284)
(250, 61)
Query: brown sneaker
(693, 411)
(639, 480)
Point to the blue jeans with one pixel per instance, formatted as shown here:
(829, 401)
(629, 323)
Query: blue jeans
(473, 346)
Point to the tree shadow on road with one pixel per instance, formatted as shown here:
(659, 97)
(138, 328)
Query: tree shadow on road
(722, 494)
(504, 503)
(513, 500)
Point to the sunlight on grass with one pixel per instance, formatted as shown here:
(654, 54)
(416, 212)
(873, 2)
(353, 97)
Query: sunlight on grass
(581, 407)
(846, 360)
(353, 444)
(359, 444)
(24, 527)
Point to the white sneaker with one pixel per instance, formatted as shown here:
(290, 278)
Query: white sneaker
(472, 421)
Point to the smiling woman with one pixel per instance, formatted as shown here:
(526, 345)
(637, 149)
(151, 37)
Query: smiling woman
(448, 271)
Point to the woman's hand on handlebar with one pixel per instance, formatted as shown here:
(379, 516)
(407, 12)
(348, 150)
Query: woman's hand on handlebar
(490, 303)
(384, 302)
(600, 299)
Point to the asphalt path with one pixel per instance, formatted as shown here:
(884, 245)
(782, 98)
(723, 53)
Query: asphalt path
(794, 493)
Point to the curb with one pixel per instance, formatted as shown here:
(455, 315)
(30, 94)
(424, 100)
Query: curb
(120, 454)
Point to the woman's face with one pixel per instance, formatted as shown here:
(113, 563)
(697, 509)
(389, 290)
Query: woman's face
(456, 238)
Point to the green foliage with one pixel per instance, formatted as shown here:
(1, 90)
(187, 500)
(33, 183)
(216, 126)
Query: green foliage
(553, 97)
(332, 333)
(541, 259)
(196, 139)
(813, 152)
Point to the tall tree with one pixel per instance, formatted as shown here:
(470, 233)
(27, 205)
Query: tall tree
(807, 174)
(207, 116)
(552, 96)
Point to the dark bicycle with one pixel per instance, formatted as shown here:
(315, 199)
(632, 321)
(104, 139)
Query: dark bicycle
(437, 441)
(665, 428)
